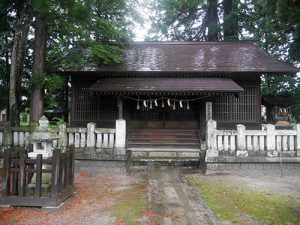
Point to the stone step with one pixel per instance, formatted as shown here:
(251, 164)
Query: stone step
(166, 136)
(164, 155)
(163, 132)
(163, 141)
(165, 149)
(163, 145)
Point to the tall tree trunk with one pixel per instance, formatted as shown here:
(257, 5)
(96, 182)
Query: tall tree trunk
(17, 60)
(38, 70)
(212, 19)
(230, 24)
(7, 73)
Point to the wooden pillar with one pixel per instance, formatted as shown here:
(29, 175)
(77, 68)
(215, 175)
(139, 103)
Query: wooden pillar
(120, 106)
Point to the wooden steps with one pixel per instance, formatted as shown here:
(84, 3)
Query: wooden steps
(163, 145)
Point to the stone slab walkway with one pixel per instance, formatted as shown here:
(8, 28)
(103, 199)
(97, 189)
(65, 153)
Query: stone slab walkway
(174, 200)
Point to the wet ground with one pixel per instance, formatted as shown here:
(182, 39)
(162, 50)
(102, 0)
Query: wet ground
(148, 195)
(152, 195)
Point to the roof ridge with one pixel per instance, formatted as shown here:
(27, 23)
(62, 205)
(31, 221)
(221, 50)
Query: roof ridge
(191, 42)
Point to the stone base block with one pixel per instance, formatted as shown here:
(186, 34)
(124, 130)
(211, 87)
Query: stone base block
(256, 168)
(99, 166)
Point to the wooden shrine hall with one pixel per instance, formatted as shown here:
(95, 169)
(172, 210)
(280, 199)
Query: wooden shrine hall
(175, 86)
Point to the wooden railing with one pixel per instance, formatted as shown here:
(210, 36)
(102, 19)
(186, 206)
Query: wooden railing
(22, 178)
(267, 139)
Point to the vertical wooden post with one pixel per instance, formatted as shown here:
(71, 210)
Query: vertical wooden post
(270, 137)
(14, 174)
(55, 172)
(6, 168)
(67, 169)
(38, 175)
(72, 152)
(22, 175)
(60, 183)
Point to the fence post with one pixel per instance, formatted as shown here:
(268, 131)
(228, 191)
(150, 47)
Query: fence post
(7, 134)
(241, 141)
(71, 171)
(38, 175)
(91, 140)
(120, 136)
(298, 140)
(270, 137)
(63, 136)
(211, 141)
(55, 172)
(6, 168)
(22, 175)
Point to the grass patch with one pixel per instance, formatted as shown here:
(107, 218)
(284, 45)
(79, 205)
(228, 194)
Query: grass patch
(130, 205)
(243, 206)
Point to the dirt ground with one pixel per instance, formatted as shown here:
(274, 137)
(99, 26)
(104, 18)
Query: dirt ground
(95, 195)
(152, 195)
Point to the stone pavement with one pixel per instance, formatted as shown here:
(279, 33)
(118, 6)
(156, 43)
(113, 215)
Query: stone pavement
(174, 200)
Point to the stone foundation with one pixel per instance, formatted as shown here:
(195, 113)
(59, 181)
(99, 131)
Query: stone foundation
(99, 166)
(265, 165)
(99, 162)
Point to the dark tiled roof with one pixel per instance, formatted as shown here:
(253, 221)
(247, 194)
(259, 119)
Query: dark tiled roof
(181, 85)
(197, 57)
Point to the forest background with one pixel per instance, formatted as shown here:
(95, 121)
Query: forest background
(36, 35)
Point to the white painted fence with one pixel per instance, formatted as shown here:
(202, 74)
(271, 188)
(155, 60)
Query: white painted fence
(90, 137)
(100, 138)
(267, 139)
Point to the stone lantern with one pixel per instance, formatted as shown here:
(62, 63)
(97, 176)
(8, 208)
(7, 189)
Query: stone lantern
(42, 139)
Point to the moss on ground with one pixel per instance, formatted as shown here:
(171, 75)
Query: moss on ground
(130, 205)
(240, 205)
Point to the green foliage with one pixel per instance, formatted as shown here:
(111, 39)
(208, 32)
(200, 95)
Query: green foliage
(278, 85)
(43, 7)
(38, 80)
(106, 54)
(54, 82)
(276, 24)
(80, 33)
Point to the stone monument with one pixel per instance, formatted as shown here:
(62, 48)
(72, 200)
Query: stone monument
(42, 140)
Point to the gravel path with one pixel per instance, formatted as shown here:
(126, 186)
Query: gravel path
(174, 200)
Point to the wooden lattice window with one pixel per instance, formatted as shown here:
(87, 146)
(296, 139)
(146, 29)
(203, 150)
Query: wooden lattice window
(89, 106)
(244, 108)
